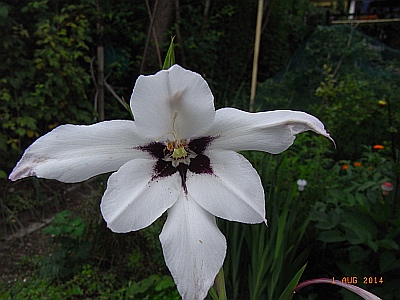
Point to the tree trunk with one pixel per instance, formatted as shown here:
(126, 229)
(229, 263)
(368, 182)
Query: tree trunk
(161, 18)
(100, 64)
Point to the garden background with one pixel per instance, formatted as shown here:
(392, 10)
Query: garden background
(77, 61)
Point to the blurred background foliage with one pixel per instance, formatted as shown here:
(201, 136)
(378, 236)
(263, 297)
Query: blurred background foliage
(347, 79)
(348, 76)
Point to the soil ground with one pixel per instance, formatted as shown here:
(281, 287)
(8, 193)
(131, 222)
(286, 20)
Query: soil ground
(22, 244)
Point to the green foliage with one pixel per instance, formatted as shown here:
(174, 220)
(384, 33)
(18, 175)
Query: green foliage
(263, 262)
(350, 109)
(285, 31)
(289, 290)
(153, 287)
(60, 80)
(341, 75)
(46, 79)
(91, 283)
(360, 225)
(71, 246)
(205, 41)
(274, 248)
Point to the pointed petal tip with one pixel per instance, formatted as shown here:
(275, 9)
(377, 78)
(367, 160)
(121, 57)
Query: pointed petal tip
(331, 139)
(12, 177)
(20, 173)
(271, 131)
(324, 133)
(327, 135)
(193, 246)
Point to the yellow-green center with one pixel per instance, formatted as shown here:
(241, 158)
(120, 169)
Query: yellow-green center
(179, 152)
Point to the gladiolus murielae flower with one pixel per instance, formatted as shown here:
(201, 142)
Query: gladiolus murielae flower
(178, 155)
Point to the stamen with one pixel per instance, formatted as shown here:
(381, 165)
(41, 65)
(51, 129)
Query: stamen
(169, 132)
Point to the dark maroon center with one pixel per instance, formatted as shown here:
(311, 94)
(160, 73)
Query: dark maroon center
(199, 164)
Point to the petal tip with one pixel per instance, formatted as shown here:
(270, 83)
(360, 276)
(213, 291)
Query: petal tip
(331, 139)
(19, 173)
(12, 177)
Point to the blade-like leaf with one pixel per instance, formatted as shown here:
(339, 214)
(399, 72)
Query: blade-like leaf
(289, 290)
(170, 57)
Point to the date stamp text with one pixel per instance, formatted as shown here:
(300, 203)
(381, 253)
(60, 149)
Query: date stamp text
(367, 280)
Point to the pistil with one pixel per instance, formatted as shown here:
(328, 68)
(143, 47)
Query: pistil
(179, 153)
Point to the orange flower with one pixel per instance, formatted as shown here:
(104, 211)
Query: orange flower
(379, 147)
(357, 164)
(345, 167)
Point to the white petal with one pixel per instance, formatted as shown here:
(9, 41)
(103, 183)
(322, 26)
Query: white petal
(174, 100)
(133, 200)
(194, 248)
(73, 153)
(234, 192)
(272, 131)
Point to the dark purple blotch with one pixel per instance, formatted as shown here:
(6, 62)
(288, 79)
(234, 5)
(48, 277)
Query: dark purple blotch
(198, 165)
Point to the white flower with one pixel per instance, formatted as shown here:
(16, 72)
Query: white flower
(179, 155)
(301, 184)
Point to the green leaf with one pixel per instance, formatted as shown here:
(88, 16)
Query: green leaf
(360, 225)
(287, 294)
(331, 236)
(280, 233)
(170, 58)
(77, 222)
(165, 283)
(388, 244)
(78, 231)
(373, 245)
(3, 174)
